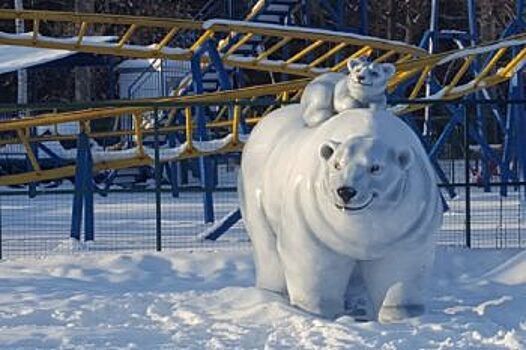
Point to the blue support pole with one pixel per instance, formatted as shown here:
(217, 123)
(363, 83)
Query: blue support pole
(217, 63)
(78, 200)
(509, 137)
(76, 214)
(521, 127)
(204, 162)
(520, 117)
(475, 67)
(34, 148)
(519, 11)
(171, 168)
(84, 188)
(89, 217)
(185, 169)
(364, 19)
(226, 223)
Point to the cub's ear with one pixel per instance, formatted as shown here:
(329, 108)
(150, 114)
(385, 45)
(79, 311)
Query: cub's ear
(353, 62)
(389, 69)
(405, 158)
(327, 149)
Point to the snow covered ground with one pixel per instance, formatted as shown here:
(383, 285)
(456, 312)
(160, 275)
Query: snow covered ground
(13, 58)
(206, 300)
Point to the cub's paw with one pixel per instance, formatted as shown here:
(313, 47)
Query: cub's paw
(389, 314)
(313, 118)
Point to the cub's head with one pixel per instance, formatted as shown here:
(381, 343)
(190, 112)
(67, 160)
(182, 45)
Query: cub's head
(367, 78)
(363, 173)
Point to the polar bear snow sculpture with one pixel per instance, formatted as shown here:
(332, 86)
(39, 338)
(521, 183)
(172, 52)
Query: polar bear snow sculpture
(332, 93)
(356, 192)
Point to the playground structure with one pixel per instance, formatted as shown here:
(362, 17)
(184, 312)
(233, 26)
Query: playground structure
(213, 110)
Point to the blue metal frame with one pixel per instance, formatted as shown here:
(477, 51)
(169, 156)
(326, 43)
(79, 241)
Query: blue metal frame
(514, 153)
(32, 188)
(224, 225)
(206, 164)
(510, 125)
(171, 169)
(84, 188)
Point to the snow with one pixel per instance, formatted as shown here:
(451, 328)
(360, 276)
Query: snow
(13, 58)
(284, 29)
(101, 155)
(481, 49)
(206, 300)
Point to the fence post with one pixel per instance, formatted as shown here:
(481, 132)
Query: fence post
(1, 230)
(157, 169)
(467, 185)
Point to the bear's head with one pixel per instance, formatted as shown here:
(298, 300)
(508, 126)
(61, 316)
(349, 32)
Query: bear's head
(368, 79)
(361, 173)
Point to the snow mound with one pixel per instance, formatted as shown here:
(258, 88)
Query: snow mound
(511, 272)
(206, 300)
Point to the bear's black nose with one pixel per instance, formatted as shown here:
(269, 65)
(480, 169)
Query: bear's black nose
(346, 193)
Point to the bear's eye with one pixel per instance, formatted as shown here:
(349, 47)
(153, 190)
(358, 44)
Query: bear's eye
(374, 74)
(338, 166)
(375, 169)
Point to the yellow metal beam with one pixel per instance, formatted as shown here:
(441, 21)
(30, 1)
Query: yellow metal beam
(189, 133)
(137, 126)
(385, 56)
(460, 73)
(133, 52)
(303, 52)
(491, 64)
(235, 124)
(82, 31)
(201, 40)
(101, 18)
(22, 134)
(36, 28)
(273, 49)
(240, 43)
(314, 35)
(421, 80)
(326, 55)
(509, 70)
(127, 35)
(255, 10)
(167, 38)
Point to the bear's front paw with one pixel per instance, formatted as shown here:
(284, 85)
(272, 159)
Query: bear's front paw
(398, 313)
(327, 308)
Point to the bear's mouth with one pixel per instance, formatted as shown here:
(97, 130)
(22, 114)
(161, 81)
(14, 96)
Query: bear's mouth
(360, 207)
(363, 84)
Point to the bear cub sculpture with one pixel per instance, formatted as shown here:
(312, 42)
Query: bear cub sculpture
(356, 194)
(331, 93)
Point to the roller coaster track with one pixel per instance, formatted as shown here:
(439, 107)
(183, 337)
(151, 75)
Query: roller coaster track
(311, 52)
(300, 42)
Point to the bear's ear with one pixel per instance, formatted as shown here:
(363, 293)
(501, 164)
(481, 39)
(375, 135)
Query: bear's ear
(353, 62)
(405, 158)
(389, 69)
(327, 149)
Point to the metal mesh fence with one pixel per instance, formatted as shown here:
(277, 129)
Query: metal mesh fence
(125, 220)
(131, 217)
(495, 221)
